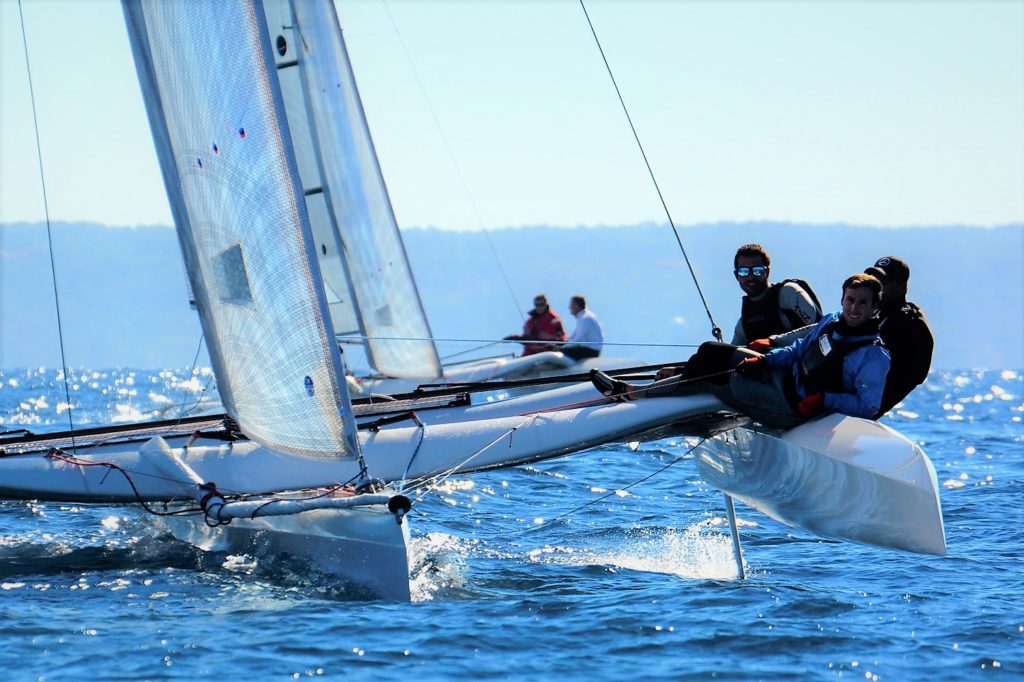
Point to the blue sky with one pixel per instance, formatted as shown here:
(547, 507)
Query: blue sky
(865, 112)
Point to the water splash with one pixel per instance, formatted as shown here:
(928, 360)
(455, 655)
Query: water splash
(437, 563)
(696, 552)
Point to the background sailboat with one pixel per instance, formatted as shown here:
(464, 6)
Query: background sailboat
(370, 288)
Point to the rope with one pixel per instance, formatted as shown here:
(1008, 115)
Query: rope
(49, 233)
(715, 330)
(479, 533)
(202, 394)
(412, 458)
(328, 491)
(455, 163)
(470, 350)
(181, 410)
(58, 454)
(432, 482)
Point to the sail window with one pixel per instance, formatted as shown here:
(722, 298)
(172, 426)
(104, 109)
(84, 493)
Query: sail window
(282, 45)
(232, 280)
(383, 315)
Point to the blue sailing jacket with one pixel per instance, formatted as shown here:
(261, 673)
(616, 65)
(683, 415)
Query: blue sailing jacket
(864, 370)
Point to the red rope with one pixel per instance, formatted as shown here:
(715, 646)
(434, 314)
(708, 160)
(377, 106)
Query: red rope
(59, 455)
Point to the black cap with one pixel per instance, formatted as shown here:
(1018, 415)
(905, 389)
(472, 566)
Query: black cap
(890, 269)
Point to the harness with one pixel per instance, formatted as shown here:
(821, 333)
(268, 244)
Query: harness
(763, 318)
(821, 367)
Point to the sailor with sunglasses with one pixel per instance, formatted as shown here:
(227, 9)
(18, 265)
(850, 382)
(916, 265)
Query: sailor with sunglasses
(769, 308)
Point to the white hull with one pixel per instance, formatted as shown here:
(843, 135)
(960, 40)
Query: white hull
(497, 370)
(457, 439)
(837, 477)
(365, 548)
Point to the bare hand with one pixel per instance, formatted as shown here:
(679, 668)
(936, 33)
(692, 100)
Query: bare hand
(666, 372)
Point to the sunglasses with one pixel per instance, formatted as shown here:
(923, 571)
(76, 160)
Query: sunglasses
(756, 271)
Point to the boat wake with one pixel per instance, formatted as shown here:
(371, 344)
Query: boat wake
(700, 551)
(46, 554)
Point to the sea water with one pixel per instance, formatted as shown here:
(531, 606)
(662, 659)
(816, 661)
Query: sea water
(615, 563)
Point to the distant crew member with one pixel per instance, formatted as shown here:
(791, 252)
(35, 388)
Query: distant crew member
(904, 330)
(769, 308)
(541, 326)
(588, 337)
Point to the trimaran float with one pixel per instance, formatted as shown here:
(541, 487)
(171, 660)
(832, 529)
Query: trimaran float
(260, 193)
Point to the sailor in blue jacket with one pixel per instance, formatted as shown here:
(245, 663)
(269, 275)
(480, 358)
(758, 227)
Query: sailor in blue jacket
(839, 367)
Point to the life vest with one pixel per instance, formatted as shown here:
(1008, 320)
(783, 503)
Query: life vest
(763, 318)
(821, 367)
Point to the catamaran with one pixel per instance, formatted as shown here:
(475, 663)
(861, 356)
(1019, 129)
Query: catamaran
(296, 465)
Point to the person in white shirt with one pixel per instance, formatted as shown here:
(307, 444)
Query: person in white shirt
(588, 337)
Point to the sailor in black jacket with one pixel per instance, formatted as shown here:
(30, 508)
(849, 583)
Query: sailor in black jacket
(904, 330)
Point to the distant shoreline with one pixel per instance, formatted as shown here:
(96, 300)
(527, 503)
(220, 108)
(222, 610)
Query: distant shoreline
(124, 297)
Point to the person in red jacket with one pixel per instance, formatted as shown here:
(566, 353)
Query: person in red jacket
(543, 324)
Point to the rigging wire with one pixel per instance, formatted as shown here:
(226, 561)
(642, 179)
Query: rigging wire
(529, 529)
(715, 330)
(470, 350)
(182, 412)
(429, 484)
(49, 232)
(358, 338)
(455, 163)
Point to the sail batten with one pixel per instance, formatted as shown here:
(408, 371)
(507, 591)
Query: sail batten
(217, 119)
(373, 294)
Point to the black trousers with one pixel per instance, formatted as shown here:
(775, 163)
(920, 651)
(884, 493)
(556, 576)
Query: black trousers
(580, 352)
(763, 398)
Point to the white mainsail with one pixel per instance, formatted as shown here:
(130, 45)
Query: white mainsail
(216, 114)
(371, 290)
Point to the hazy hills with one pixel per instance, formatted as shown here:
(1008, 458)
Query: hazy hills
(123, 295)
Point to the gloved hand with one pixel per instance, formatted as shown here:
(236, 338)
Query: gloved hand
(760, 345)
(751, 365)
(811, 405)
